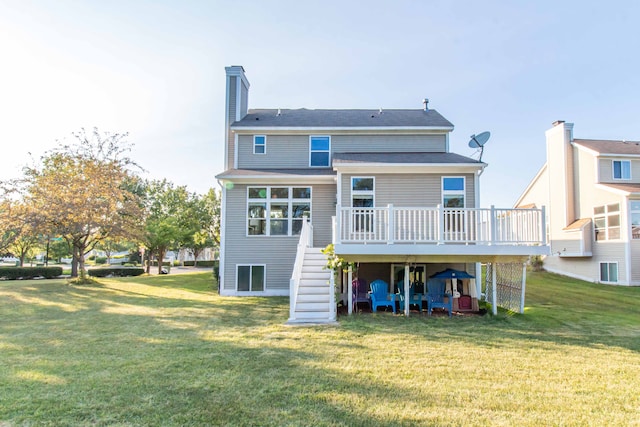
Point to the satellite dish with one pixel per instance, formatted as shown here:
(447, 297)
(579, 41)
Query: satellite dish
(478, 141)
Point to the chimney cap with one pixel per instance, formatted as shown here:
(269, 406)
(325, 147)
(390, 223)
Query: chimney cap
(557, 122)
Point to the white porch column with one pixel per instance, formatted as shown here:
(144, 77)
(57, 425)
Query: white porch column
(492, 224)
(391, 226)
(494, 290)
(440, 224)
(524, 283)
(332, 297)
(479, 280)
(350, 289)
(543, 224)
(337, 230)
(406, 290)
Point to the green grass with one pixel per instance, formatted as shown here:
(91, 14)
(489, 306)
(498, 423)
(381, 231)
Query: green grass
(167, 350)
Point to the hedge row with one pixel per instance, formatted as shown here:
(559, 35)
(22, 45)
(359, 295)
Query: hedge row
(13, 273)
(200, 263)
(116, 271)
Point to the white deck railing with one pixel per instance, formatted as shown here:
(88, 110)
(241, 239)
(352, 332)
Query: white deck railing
(440, 225)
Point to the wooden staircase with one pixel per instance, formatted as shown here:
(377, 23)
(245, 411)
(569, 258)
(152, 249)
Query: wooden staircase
(313, 299)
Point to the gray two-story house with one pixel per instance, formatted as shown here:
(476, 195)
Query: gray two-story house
(380, 185)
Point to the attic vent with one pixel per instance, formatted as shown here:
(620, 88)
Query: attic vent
(279, 112)
(425, 103)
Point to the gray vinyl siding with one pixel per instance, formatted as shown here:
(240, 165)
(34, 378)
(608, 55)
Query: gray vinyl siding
(292, 151)
(283, 151)
(277, 252)
(611, 251)
(244, 99)
(635, 261)
(408, 190)
(231, 117)
(606, 171)
(589, 267)
(388, 143)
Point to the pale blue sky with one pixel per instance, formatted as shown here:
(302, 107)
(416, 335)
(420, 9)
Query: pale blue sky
(156, 70)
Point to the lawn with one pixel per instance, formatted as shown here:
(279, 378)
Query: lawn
(167, 350)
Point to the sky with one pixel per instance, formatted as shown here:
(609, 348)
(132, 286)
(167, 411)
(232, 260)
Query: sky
(155, 69)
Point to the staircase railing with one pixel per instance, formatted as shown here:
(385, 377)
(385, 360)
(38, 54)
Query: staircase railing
(306, 241)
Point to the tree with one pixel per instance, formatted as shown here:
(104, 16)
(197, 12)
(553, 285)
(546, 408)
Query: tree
(166, 213)
(202, 223)
(83, 192)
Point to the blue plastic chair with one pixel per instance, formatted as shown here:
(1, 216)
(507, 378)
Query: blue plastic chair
(360, 292)
(436, 296)
(414, 298)
(380, 296)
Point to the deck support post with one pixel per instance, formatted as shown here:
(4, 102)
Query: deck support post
(406, 290)
(350, 289)
(524, 283)
(494, 289)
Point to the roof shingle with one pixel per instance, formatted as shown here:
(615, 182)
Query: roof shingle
(610, 147)
(341, 118)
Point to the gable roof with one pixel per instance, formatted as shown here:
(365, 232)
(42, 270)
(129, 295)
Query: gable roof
(610, 147)
(304, 118)
(406, 158)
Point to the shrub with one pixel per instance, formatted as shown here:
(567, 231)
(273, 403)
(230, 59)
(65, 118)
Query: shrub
(201, 263)
(101, 260)
(13, 273)
(176, 263)
(165, 263)
(116, 271)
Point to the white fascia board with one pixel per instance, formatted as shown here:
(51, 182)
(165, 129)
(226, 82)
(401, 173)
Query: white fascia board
(585, 149)
(346, 249)
(613, 190)
(616, 156)
(403, 168)
(279, 179)
(330, 129)
(531, 184)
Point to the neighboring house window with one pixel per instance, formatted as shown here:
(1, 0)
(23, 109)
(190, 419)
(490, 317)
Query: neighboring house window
(362, 189)
(606, 220)
(635, 219)
(250, 278)
(319, 151)
(277, 211)
(453, 191)
(259, 144)
(609, 272)
(621, 169)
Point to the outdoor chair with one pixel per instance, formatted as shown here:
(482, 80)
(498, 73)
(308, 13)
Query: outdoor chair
(380, 296)
(414, 298)
(436, 296)
(360, 292)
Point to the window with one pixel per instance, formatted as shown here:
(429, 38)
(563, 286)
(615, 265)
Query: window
(609, 272)
(453, 192)
(621, 169)
(250, 278)
(362, 190)
(362, 196)
(277, 211)
(259, 144)
(319, 151)
(606, 221)
(635, 219)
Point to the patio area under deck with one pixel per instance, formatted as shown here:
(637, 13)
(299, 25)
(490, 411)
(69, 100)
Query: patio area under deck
(439, 235)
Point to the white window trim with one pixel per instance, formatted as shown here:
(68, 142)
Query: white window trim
(631, 212)
(371, 193)
(255, 145)
(600, 271)
(606, 216)
(268, 200)
(264, 277)
(454, 192)
(613, 173)
(318, 151)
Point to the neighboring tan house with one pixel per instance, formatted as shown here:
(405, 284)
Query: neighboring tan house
(592, 192)
(381, 185)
